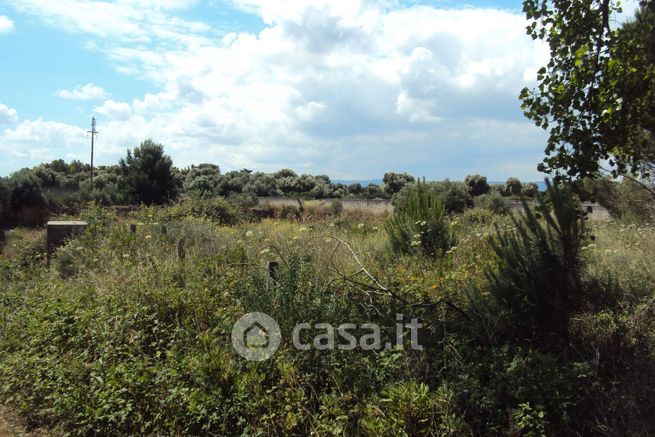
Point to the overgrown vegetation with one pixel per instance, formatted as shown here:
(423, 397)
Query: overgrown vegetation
(419, 224)
(530, 326)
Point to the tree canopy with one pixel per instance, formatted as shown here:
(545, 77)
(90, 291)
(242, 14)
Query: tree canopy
(596, 95)
(147, 174)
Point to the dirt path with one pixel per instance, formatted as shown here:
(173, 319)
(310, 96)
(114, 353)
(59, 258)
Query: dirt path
(12, 426)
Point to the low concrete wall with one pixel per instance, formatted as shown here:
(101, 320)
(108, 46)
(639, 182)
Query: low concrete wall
(59, 232)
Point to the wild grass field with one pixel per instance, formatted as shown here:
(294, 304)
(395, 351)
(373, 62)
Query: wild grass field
(125, 333)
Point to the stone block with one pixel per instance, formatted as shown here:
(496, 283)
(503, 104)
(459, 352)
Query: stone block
(59, 232)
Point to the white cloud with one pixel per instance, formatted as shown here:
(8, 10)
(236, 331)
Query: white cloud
(8, 116)
(83, 92)
(6, 25)
(115, 110)
(349, 88)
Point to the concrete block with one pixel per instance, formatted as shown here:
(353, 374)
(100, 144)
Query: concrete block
(59, 232)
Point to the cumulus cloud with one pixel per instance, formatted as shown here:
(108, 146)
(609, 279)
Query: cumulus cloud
(349, 88)
(115, 110)
(83, 92)
(8, 116)
(6, 25)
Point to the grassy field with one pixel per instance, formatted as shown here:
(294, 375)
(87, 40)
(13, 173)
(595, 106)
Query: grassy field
(129, 333)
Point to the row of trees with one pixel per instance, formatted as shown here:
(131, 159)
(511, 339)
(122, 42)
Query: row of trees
(147, 175)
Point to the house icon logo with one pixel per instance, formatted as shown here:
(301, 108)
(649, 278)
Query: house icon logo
(256, 336)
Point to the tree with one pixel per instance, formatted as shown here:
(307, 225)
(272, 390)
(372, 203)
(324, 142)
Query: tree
(25, 190)
(513, 187)
(477, 184)
(202, 180)
(530, 190)
(147, 174)
(4, 201)
(596, 95)
(394, 182)
(373, 191)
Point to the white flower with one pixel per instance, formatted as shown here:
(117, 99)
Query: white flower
(249, 234)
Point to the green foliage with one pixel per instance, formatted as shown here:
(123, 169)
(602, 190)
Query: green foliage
(4, 201)
(394, 182)
(202, 180)
(528, 422)
(627, 200)
(513, 187)
(596, 95)
(25, 190)
(122, 337)
(493, 202)
(216, 209)
(453, 195)
(147, 174)
(538, 278)
(419, 224)
(530, 190)
(411, 409)
(477, 185)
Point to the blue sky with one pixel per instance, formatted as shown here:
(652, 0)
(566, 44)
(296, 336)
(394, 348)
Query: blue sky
(350, 88)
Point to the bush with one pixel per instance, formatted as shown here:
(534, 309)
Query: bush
(538, 278)
(530, 190)
(243, 200)
(147, 174)
(216, 209)
(477, 216)
(202, 181)
(513, 187)
(493, 202)
(419, 224)
(4, 201)
(394, 182)
(477, 185)
(25, 190)
(453, 195)
(626, 200)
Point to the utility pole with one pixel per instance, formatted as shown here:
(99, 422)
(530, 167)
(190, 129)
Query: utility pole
(93, 133)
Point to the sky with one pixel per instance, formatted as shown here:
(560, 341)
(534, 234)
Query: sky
(348, 88)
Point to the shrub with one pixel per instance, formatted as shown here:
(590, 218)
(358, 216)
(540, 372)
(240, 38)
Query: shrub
(477, 216)
(493, 202)
(202, 180)
(477, 185)
(513, 187)
(419, 224)
(336, 207)
(243, 200)
(25, 190)
(538, 277)
(394, 182)
(4, 201)
(453, 195)
(626, 200)
(530, 190)
(147, 174)
(216, 209)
